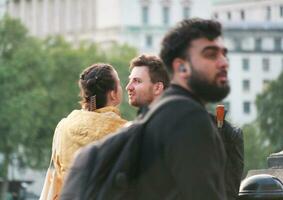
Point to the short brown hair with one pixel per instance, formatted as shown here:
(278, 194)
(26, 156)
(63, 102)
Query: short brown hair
(156, 68)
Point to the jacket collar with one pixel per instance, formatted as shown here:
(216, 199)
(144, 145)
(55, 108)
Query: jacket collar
(178, 90)
(108, 109)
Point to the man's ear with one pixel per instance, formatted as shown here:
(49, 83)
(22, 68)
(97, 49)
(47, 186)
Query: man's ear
(158, 88)
(181, 68)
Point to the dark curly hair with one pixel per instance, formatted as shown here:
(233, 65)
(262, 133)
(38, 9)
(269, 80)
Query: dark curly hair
(156, 68)
(178, 40)
(95, 82)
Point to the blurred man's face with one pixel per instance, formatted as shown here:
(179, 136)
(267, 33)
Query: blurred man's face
(140, 88)
(209, 65)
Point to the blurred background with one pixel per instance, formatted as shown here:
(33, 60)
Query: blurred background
(44, 45)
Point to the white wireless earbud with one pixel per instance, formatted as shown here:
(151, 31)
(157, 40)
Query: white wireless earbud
(182, 68)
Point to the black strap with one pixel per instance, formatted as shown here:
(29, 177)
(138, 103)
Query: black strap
(160, 104)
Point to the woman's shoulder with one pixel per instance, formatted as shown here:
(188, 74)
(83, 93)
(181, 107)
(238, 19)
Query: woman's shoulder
(110, 112)
(91, 126)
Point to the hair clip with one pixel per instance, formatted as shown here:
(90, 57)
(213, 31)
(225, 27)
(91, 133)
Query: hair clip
(92, 105)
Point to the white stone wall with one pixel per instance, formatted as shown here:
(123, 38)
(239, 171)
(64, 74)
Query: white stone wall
(256, 75)
(155, 27)
(255, 10)
(49, 17)
(104, 21)
(255, 24)
(108, 14)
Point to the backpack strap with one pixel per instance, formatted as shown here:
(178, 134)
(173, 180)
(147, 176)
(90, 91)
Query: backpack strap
(161, 103)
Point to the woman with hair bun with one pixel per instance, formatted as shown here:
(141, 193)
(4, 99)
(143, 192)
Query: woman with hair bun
(101, 93)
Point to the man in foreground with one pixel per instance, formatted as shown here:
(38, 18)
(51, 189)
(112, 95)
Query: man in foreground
(182, 155)
(148, 80)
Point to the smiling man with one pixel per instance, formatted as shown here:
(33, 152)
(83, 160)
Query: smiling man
(183, 156)
(147, 80)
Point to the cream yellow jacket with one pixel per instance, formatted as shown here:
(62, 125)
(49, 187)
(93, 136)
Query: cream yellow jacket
(80, 128)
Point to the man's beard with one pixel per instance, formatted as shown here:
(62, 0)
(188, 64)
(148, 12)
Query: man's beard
(208, 92)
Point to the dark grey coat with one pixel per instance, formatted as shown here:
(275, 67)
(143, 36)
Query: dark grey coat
(234, 147)
(183, 156)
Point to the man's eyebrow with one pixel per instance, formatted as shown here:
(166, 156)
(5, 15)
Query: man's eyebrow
(134, 78)
(215, 48)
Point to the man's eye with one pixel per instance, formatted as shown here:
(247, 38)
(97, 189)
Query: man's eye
(211, 55)
(137, 81)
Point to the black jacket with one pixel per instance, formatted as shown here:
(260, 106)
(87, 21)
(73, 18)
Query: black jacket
(183, 156)
(234, 147)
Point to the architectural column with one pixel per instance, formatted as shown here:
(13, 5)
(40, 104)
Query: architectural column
(45, 6)
(11, 7)
(23, 11)
(51, 17)
(29, 16)
(79, 16)
(68, 16)
(62, 13)
(56, 9)
(40, 18)
(72, 16)
(35, 18)
(89, 14)
(94, 14)
(84, 14)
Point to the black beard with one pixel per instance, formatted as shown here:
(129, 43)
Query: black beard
(208, 92)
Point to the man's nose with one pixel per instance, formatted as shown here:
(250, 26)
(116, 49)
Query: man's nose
(129, 86)
(223, 62)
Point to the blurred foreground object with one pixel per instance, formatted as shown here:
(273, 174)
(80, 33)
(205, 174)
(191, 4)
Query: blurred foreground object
(262, 186)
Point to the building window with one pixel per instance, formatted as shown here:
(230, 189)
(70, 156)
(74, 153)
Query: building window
(246, 64)
(226, 105)
(148, 41)
(281, 11)
(166, 13)
(238, 43)
(246, 85)
(265, 65)
(145, 15)
(265, 84)
(268, 13)
(247, 107)
(215, 15)
(186, 12)
(248, 44)
(242, 15)
(278, 44)
(268, 44)
(229, 15)
(258, 44)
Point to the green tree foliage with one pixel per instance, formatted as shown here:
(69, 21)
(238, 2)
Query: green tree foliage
(22, 94)
(38, 86)
(257, 147)
(270, 112)
(119, 56)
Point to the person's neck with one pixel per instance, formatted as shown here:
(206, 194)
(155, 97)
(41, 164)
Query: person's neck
(111, 104)
(183, 85)
(186, 87)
